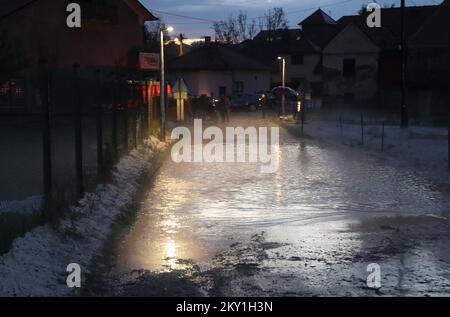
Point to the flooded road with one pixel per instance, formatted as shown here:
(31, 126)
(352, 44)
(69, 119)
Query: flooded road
(312, 228)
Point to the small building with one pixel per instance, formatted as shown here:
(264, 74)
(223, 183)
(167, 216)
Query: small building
(216, 68)
(350, 66)
(110, 38)
(429, 66)
(363, 64)
(302, 50)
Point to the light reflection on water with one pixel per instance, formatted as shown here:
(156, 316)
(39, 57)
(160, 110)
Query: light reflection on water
(197, 210)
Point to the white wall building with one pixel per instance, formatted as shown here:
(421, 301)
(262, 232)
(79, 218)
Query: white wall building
(215, 67)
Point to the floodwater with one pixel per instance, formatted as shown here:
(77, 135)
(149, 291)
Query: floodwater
(312, 228)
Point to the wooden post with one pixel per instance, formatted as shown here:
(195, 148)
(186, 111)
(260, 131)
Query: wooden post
(46, 132)
(145, 113)
(100, 160)
(382, 138)
(78, 133)
(341, 127)
(143, 121)
(125, 115)
(115, 102)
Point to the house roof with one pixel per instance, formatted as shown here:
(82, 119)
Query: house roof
(431, 33)
(388, 36)
(277, 34)
(304, 45)
(8, 7)
(139, 8)
(216, 57)
(318, 18)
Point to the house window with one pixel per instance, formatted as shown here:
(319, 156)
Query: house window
(297, 59)
(12, 94)
(4, 90)
(99, 10)
(349, 67)
(238, 87)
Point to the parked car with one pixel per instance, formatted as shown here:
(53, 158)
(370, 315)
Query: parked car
(244, 102)
(291, 97)
(205, 108)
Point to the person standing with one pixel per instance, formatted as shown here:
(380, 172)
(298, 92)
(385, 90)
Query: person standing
(227, 103)
(223, 108)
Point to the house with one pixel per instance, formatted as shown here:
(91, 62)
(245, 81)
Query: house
(429, 65)
(363, 64)
(110, 37)
(350, 66)
(302, 50)
(216, 68)
(110, 29)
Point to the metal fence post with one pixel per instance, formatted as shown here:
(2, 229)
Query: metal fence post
(134, 114)
(303, 109)
(46, 132)
(125, 115)
(99, 118)
(78, 133)
(115, 102)
(362, 128)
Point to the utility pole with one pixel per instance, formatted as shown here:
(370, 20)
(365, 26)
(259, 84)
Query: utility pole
(163, 92)
(163, 86)
(404, 112)
(181, 38)
(283, 75)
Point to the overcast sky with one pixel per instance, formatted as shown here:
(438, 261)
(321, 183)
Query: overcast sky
(208, 10)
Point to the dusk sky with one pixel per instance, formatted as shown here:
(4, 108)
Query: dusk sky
(210, 10)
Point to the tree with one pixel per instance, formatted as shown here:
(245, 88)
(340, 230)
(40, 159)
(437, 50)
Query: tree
(235, 30)
(152, 35)
(275, 19)
(227, 31)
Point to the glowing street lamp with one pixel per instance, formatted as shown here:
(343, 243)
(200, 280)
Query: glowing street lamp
(283, 97)
(163, 85)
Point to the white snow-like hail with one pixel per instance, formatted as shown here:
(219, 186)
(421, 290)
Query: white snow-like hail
(36, 264)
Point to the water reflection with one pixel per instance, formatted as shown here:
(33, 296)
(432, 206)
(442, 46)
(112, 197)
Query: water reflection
(195, 211)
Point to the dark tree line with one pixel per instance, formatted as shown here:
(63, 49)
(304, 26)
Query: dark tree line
(240, 28)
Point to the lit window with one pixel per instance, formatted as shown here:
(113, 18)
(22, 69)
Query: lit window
(4, 89)
(19, 92)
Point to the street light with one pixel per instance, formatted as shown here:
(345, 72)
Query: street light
(163, 86)
(283, 98)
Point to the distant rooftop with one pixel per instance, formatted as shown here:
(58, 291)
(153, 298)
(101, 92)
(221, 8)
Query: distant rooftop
(318, 18)
(389, 33)
(214, 56)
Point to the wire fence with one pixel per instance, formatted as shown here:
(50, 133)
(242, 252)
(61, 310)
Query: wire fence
(64, 137)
